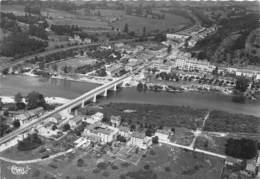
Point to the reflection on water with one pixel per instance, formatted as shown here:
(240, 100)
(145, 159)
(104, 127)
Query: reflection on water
(10, 85)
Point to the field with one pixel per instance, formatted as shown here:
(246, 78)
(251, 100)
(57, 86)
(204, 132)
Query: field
(136, 24)
(76, 62)
(220, 121)
(158, 162)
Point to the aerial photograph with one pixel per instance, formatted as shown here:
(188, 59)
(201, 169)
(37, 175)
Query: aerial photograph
(129, 89)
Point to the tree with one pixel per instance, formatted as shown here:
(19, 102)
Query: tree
(132, 127)
(16, 123)
(54, 127)
(66, 127)
(18, 98)
(4, 128)
(155, 140)
(121, 138)
(31, 142)
(80, 162)
(144, 31)
(149, 132)
(1, 104)
(54, 67)
(241, 84)
(126, 28)
(241, 148)
(34, 100)
(169, 49)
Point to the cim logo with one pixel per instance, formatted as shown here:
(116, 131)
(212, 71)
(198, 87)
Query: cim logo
(19, 170)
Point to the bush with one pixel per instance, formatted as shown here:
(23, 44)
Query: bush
(125, 164)
(114, 167)
(96, 170)
(167, 169)
(102, 165)
(146, 167)
(80, 162)
(31, 142)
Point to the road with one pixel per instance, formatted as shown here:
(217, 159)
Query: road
(85, 96)
(196, 150)
(198, 131)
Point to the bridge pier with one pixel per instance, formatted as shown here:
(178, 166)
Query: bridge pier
(114, 88)
(83, 104)
(94, 98)
(105, 93)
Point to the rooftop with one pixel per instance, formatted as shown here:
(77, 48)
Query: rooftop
(139, 135)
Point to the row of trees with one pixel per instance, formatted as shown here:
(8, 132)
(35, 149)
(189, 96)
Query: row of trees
(65, 29)
(33, 100)
(241, 148)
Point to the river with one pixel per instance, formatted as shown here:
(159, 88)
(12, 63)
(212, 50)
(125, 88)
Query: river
(10, 85)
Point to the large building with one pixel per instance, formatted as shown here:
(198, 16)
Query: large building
(250, 73)
(100, 133)
(193, 64)
(114, 69)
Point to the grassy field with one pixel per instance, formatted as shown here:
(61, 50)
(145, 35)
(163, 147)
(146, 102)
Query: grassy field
(158, 162)
(137, 24)
(220, 121)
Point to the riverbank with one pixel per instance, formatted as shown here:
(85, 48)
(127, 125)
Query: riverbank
(182, 116)
(49, 100)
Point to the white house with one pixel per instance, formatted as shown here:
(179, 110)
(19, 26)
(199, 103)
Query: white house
(163, 135)
(75, 121)
(124, 131)
(140, 140)
(94, 118)
(100, 133)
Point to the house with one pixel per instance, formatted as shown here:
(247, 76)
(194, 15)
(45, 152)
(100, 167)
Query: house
(27, 116)
(163, 135)
(81, 142)
(230, 161)
(100, 133)
(75, 121)
(114, 69)
(115, 121)
(124, 131)
(251, 167)
(140, 140)
(94, 118)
